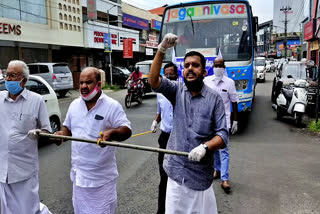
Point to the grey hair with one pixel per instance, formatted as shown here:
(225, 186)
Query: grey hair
(25, 68)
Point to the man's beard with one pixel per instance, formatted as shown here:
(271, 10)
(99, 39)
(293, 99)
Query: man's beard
(195, 85)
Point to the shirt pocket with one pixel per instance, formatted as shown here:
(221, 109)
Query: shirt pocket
(24, 122)
(202, 124)
(96, 126)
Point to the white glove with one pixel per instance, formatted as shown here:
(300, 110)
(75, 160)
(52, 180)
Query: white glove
(234, 127)
(33, 134)
(154, 126)
(197, 153)
(169, 40)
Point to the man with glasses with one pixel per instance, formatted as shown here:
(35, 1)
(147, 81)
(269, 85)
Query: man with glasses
(226, 88)
(23, 113)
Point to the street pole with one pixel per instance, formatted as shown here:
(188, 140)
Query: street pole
(110, 62)
(285, 10)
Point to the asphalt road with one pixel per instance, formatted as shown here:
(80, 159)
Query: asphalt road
(274, 167)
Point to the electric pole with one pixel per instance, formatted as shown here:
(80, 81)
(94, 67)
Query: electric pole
(285, 10)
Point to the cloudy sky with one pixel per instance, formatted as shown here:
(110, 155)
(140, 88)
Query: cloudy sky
(261, 8)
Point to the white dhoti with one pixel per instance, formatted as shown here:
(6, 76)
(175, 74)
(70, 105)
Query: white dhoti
(182, 200)
(95, 200)
(22, 197)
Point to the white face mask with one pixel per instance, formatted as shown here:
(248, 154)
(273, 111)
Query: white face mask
(91, 95)
(219, 72)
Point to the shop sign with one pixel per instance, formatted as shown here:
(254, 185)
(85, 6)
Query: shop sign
(6, 28)
(135, 22)
(92, 9)
(308, 30)
(107, 43)
(151, 44)
(98, 37)
(149, 51)
(156, 25)
(314, 45)
(152, 38)
(127, 48)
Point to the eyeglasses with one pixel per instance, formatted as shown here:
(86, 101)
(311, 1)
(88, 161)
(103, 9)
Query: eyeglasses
(13, 75)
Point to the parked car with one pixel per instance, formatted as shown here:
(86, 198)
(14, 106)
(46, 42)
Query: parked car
(260, 68)
(1, 74)
(119, 75)
(40, 86)
(58, 75)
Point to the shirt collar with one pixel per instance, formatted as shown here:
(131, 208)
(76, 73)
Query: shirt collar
(223, 78)
(23, 94)
(203, 91)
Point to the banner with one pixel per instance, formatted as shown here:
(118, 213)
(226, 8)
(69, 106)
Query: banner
(107, 43)
(135, 22)
(156, 25)
(127, 49)
(92, 9)
(149, 51)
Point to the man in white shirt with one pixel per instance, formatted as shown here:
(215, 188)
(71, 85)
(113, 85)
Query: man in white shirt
(226, 88)
(22, 112)
(165, 115)
(94, 170)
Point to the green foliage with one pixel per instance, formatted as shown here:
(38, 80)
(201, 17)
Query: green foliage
(111, 87)
(313, 126)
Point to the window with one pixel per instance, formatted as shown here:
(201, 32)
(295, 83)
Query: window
(74, 19)
(74, 10)
(73, 1)
(69, 9)
(37, 87)
(78, 10)
(70, 18)
(65, 17)
(61, 25)
(10, 9)
(33, 69)
(78, 3)
(74, 27)
(78, 20)
(79, 29)
(66, 26)
(70, 26)
(60, 16)
(43, 69)
(60, 6)
(65, 7)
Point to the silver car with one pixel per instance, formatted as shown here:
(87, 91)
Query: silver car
(58, 75)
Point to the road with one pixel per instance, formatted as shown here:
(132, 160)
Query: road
(274, 166)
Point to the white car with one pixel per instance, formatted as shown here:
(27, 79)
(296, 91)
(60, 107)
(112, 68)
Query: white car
(40, 86)
(260, 68)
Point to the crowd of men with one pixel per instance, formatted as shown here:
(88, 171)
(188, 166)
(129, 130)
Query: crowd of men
(194, 115)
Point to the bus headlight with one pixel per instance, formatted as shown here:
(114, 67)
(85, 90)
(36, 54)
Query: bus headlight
(241, 84)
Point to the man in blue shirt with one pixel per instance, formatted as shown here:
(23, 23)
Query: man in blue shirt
(199, 127)
(165, 115)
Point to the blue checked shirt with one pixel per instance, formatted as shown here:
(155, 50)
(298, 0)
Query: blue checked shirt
(196, 120)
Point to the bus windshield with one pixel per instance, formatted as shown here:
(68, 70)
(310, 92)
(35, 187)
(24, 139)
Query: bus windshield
(209, 27)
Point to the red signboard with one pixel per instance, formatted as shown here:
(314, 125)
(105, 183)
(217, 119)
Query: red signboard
(92, 9)
(6, 28)
(309, 30)
(127, 48)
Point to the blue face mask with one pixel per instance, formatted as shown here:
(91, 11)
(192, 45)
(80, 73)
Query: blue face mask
(13, 87)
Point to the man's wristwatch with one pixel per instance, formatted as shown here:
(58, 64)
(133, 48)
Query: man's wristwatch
(205, 146)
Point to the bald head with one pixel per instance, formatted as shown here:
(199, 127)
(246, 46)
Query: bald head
(219, 63)
(91, 71)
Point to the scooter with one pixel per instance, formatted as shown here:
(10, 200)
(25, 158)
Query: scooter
(292, 100)
(134, 93)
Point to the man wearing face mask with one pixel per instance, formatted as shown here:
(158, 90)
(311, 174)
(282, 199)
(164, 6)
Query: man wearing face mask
(22, 114)
(94, 171)
(199, 127)
(165, 115)
(226, 88)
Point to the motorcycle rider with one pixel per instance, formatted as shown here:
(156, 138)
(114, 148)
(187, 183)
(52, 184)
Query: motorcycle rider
(136, 75)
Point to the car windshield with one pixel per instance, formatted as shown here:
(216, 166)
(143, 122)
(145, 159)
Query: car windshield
(2, 85)
(61, 69)
(297, 71)
(260, 62)
(144, 69)
(124, 70)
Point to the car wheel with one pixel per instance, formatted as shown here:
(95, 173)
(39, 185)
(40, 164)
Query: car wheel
(128, 100)
(279, 114)
(62, 93)
(55, 124)
(298, 119)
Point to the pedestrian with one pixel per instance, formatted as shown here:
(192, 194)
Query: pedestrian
(94, 170)
(226, 88)
(22, 114)
(165, 115)
(199, 127)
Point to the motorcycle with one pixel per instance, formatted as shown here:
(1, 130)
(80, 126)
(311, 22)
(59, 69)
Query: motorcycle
(291, 100)
(134, 94)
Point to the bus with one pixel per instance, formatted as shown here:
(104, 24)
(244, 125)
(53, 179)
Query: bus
(216, 27)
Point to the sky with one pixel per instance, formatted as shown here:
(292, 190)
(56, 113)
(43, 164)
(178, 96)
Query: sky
(261, 8)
